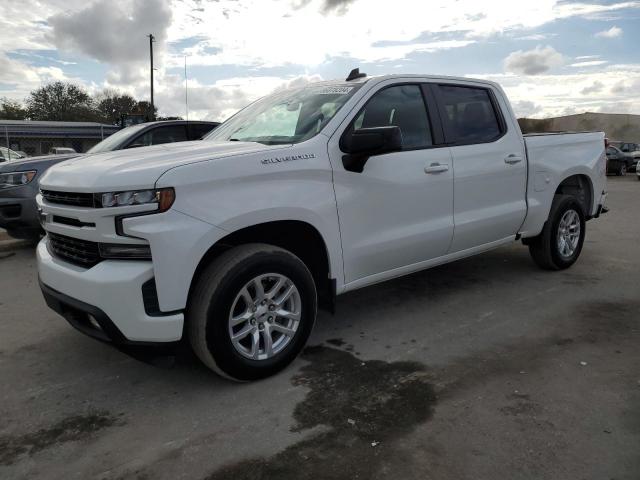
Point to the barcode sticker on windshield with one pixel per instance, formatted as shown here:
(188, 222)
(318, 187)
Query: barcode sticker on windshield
(333, 90)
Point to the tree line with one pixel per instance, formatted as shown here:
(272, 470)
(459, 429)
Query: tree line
(68, 102)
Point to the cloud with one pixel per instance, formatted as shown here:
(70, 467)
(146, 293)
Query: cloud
(627, 87)
(338, 7)
(590, 63)
(525, 108)
(595, 87)
(613, 32)
(113, 32)
(223, 98)
(533, 62)
(558, 94)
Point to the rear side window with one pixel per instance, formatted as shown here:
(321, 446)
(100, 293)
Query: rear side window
(168, 134)
(198, 130)
(470, 114)
(401, 106)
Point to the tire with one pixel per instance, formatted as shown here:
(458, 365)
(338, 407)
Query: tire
(217, 297)
(622, 170)
(545, 249)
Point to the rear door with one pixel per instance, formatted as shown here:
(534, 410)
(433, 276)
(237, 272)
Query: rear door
(489, 164)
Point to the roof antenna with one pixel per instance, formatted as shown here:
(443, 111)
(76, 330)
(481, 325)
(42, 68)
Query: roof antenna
(355, 74)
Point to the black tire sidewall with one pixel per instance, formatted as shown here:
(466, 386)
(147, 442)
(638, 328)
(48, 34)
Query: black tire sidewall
(565, 205)
(217, 336)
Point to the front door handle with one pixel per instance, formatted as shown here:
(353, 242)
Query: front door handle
(436, 168)
(513, 158)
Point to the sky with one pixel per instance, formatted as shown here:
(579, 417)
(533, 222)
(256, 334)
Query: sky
(553, 57)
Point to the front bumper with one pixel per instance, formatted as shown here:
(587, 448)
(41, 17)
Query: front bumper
(19, 215)
(111, 293)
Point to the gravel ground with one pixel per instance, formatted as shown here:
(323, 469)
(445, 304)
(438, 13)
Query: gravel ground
(486, 368)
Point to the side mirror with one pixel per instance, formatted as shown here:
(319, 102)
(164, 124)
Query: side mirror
(135, 145)
(366, 142)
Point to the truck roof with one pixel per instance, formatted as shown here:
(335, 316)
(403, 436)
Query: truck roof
(381, 78)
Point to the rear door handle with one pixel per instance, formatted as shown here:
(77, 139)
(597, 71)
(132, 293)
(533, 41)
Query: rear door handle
(513, 158)
(436, 168)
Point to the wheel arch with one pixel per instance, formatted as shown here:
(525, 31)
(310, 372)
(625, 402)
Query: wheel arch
(299, 237)
(581, 187)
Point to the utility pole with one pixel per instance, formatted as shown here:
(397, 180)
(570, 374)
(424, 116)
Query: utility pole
(186, 88)
(151, 39)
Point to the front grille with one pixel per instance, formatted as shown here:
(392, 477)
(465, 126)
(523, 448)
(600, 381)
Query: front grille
(69, 198)
(79, 252)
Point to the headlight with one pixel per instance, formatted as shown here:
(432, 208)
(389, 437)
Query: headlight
(163, 197)
(16, 179)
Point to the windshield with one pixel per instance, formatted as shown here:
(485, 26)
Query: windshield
(286, 117)
(6, 155)
(113, 141)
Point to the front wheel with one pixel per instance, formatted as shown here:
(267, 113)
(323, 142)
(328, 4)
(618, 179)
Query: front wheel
(559, 244)
(622, 170)
(251, 311)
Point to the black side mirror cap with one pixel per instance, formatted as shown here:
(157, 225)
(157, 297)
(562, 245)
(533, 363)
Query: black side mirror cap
(366, 142)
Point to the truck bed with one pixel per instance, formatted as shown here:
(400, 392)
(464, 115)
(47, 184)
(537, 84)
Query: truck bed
(553, 157)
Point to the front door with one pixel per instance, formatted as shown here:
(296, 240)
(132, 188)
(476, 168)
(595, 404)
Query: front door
(399, 210)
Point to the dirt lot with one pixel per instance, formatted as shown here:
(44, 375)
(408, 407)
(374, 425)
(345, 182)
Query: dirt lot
(487, 368)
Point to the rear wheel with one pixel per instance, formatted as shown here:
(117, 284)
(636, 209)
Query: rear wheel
(251, 311)
(559, 244)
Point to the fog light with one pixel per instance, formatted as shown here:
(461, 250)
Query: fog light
(125, 251)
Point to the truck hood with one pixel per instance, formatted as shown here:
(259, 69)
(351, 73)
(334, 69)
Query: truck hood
(137, 167)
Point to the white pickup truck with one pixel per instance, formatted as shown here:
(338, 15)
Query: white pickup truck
(233, 242)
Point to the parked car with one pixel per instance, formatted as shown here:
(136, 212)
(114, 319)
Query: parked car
(61, 150)
(8, 155)
(633, 149)
(18, 180)
(618, 162)
(233, 242)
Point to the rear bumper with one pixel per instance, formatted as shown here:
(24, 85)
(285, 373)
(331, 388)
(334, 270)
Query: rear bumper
(110, 293)
(602, 208)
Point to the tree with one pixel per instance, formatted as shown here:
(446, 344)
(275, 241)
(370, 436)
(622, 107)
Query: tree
(111, 104)
(144, 108)
(61, 101)
(11, 110)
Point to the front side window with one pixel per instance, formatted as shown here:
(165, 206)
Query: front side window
(470, 114)
(287, 117)
(401, 106)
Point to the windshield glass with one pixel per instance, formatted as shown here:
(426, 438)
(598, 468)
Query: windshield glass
(113, 141)
(286, 117)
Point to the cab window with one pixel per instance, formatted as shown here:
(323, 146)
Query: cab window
(471, 115)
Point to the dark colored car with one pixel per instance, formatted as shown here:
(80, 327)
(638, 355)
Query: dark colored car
(19, 179)
(633, 149)
(619, 162)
